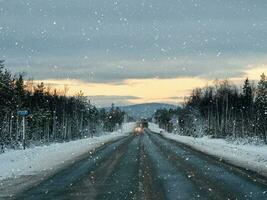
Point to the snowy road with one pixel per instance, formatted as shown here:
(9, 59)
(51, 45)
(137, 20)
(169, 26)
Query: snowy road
(148, 167)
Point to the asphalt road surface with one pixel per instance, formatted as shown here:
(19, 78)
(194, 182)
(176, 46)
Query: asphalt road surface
(149, 167)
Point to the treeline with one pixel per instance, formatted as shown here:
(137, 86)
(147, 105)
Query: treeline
(53, 116)
(221, 110)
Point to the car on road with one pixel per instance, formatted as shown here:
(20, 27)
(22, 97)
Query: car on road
(138, 130)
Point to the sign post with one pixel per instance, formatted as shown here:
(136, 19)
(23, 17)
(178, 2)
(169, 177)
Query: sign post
(23, 132)
(23, 113)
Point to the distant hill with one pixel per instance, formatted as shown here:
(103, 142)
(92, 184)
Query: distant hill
(145, 110)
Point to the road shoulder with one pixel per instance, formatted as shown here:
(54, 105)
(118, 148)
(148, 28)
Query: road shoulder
(251, 158)
(15, 184)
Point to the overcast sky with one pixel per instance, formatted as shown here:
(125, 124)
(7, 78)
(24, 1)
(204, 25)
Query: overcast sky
(108, 42)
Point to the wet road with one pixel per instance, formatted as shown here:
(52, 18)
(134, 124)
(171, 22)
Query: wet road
(148, 167)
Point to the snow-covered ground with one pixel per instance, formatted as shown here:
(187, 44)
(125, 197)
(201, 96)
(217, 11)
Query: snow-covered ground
(32, 161)
(251, 157)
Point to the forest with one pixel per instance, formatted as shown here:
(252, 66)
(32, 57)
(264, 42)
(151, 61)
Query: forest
(222, 110)
(53, 115)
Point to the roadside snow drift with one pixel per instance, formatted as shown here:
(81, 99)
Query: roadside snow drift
(250, 157)
(15, 163)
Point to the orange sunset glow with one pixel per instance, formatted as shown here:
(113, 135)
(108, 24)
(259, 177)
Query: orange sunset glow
(147, 90)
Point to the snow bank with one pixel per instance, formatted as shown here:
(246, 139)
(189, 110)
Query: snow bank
(128, 127)
(154, 127)
(15, 163)
(247, 156)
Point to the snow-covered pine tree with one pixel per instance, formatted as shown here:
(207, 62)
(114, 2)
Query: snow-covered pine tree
(261, 107)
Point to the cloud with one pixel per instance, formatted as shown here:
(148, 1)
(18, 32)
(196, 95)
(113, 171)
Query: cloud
(104, 41)
(253, 72)
(110, 44)
(105, 100)
(131, 91)
(112, 97)
(115, 71)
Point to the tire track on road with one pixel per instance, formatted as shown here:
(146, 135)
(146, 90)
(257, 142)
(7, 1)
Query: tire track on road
(150, 188)
(58, 185)
(207, 171)
(173, 182)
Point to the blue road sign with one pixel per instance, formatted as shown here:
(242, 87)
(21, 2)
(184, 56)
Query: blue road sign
(23, 112)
